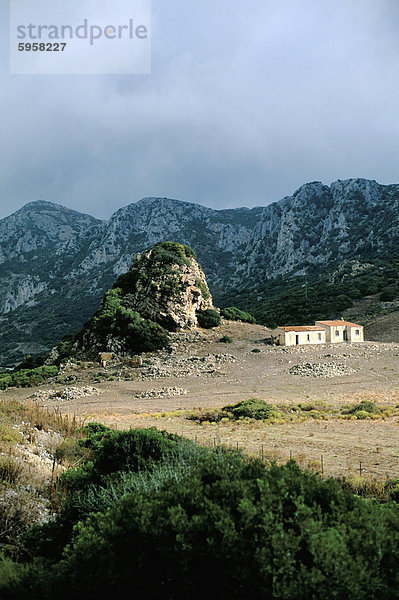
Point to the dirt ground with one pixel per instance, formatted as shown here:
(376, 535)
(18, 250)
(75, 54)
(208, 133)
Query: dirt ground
(336, 446)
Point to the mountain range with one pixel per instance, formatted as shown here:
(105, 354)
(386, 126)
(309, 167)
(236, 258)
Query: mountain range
(56, 263)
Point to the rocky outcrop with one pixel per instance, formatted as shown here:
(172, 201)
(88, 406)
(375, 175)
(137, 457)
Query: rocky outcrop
(162, 292)
(166, 284)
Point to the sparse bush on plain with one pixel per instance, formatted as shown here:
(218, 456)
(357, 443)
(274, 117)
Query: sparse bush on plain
(27, 377)
(365, 409)
(253, 408)
(209, 318)
(231, 313)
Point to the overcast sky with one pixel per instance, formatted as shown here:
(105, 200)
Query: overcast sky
(247, 100)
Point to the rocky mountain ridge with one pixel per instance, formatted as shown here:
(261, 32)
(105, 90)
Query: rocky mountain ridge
(55, 263)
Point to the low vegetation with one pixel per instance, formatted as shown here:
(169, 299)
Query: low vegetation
(259, 410)
(371, 488)
(226, 339)
(231, 313)
(26, 377)
(366, 409)
(31, 439)
(153, 515)
(209, 318)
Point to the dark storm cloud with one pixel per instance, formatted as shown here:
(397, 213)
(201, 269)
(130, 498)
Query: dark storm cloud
(247, 100)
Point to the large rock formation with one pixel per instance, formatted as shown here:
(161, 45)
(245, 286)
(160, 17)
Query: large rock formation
(163, 291)
(166, 284)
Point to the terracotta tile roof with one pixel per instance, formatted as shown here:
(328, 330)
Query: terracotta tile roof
(302, 328)
(338, 323)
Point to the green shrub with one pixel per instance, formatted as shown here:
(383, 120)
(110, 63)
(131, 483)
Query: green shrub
(27, 377)
(137, 334)
(250, 531)
(252, 408)
(362, 410)
(389, 294)
(231, 313)
(392, 489)
(201, 285)
(226, 339)
(208, 318)
(106, 454)
(133, 450)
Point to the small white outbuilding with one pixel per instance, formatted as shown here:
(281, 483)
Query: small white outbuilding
(296, 335)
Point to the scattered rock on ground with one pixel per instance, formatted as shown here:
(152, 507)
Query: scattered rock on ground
(327, 370)
(164, 392)
(69, 393)
(164, 364)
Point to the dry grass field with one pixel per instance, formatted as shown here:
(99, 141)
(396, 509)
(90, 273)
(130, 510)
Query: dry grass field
(336, 445)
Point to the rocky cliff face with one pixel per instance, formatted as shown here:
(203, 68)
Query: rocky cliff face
(55, 264)
(37, 246)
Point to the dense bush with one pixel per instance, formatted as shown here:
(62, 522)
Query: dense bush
(389, 294)
(111, 453)
(231, 313)
(26, 377)
(208, 318)
(159, 263)
(31, 362)
(212, 522)
(132, 450)
(362, 410)
(115, 320)
(252, 408)
(172, 253)
(226, 339)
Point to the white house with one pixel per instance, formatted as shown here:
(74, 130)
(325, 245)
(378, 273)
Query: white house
(320, 333)
(342, 331)
(298, 335)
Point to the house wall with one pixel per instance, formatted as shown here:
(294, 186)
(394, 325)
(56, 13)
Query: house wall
(336, 334)
(352, 334)
(288, 338)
